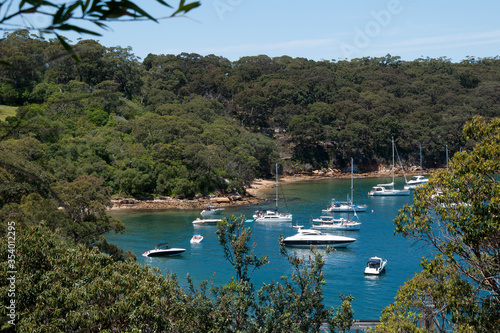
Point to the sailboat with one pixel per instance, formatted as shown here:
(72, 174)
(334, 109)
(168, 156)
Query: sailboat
(272, 215)
(346, 206)
(388, 189)
(416, 180)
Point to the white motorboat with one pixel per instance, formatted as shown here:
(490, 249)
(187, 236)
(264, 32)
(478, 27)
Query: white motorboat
(211, 210)
(163, 250)
(196, 239)
(330, 223)
(375, 266)
(206, 221)
(415, 181)
(310, 237)
(388, 189)
(272, 215)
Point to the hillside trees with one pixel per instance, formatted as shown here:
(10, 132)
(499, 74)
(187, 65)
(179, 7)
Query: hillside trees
(457, 214)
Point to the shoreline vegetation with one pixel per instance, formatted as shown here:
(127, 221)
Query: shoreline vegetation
(252, 196)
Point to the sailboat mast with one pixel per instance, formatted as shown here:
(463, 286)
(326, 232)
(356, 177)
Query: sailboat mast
(420, 159)
(276, 186)
(392, 162)
(352, 185)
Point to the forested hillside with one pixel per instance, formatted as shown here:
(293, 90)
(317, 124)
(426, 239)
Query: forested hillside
(187, 125)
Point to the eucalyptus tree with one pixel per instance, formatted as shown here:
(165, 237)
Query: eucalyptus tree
(457, 214)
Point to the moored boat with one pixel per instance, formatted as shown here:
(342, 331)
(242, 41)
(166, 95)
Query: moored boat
(163, 250)
(310, 237)
(375, 266)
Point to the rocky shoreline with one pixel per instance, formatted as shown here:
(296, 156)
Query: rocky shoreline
(252, 195)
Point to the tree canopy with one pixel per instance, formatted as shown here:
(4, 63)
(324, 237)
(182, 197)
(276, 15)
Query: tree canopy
(457, 213)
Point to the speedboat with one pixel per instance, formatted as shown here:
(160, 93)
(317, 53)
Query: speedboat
(311, 237)
(330, 223)
(163, 250)
(206, 221)
(211, 210)
(375, 266)
(196, 239)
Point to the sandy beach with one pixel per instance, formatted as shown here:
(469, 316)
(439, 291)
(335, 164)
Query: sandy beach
(252, 195)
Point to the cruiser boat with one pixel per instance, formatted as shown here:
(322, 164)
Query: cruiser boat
(163, 250)
(388, 189)
(310, 237)
(211, 210)
(272, 215)
(330, 223)
(375, 266)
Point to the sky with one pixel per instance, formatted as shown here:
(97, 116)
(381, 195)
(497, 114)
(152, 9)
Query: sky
(316, 30)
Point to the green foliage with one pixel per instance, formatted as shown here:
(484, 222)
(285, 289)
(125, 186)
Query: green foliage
(457, 214)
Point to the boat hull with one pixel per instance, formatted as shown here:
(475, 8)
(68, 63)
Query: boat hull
(308, 243)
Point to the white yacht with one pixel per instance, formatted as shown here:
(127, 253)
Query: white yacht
(415, 181)
(272, 215)
(206, 221)
(329, 223)
(310, 237)
(375, 266)
(346, 206)
(388, 189)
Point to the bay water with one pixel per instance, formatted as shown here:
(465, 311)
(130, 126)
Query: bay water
(344, 268)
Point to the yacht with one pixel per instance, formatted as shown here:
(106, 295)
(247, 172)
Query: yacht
(211, 210)
(311, 237)
(388, 189)
(330, 223)
(375, 266)
(272, 215)
(346, 206)
(163, 250)
(415, 181)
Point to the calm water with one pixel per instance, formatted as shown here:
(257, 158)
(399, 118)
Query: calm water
(343, 269)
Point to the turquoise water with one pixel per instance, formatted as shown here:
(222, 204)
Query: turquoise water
(343, 269)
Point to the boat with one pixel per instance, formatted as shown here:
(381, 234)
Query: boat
(211, 210)
(272, 215)
(417, 180)
(330, 223)
(196, 239)
(163, 250)
(388, 189)
(375, 266)
(346, 206)
(206, 221)
(311, 237)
